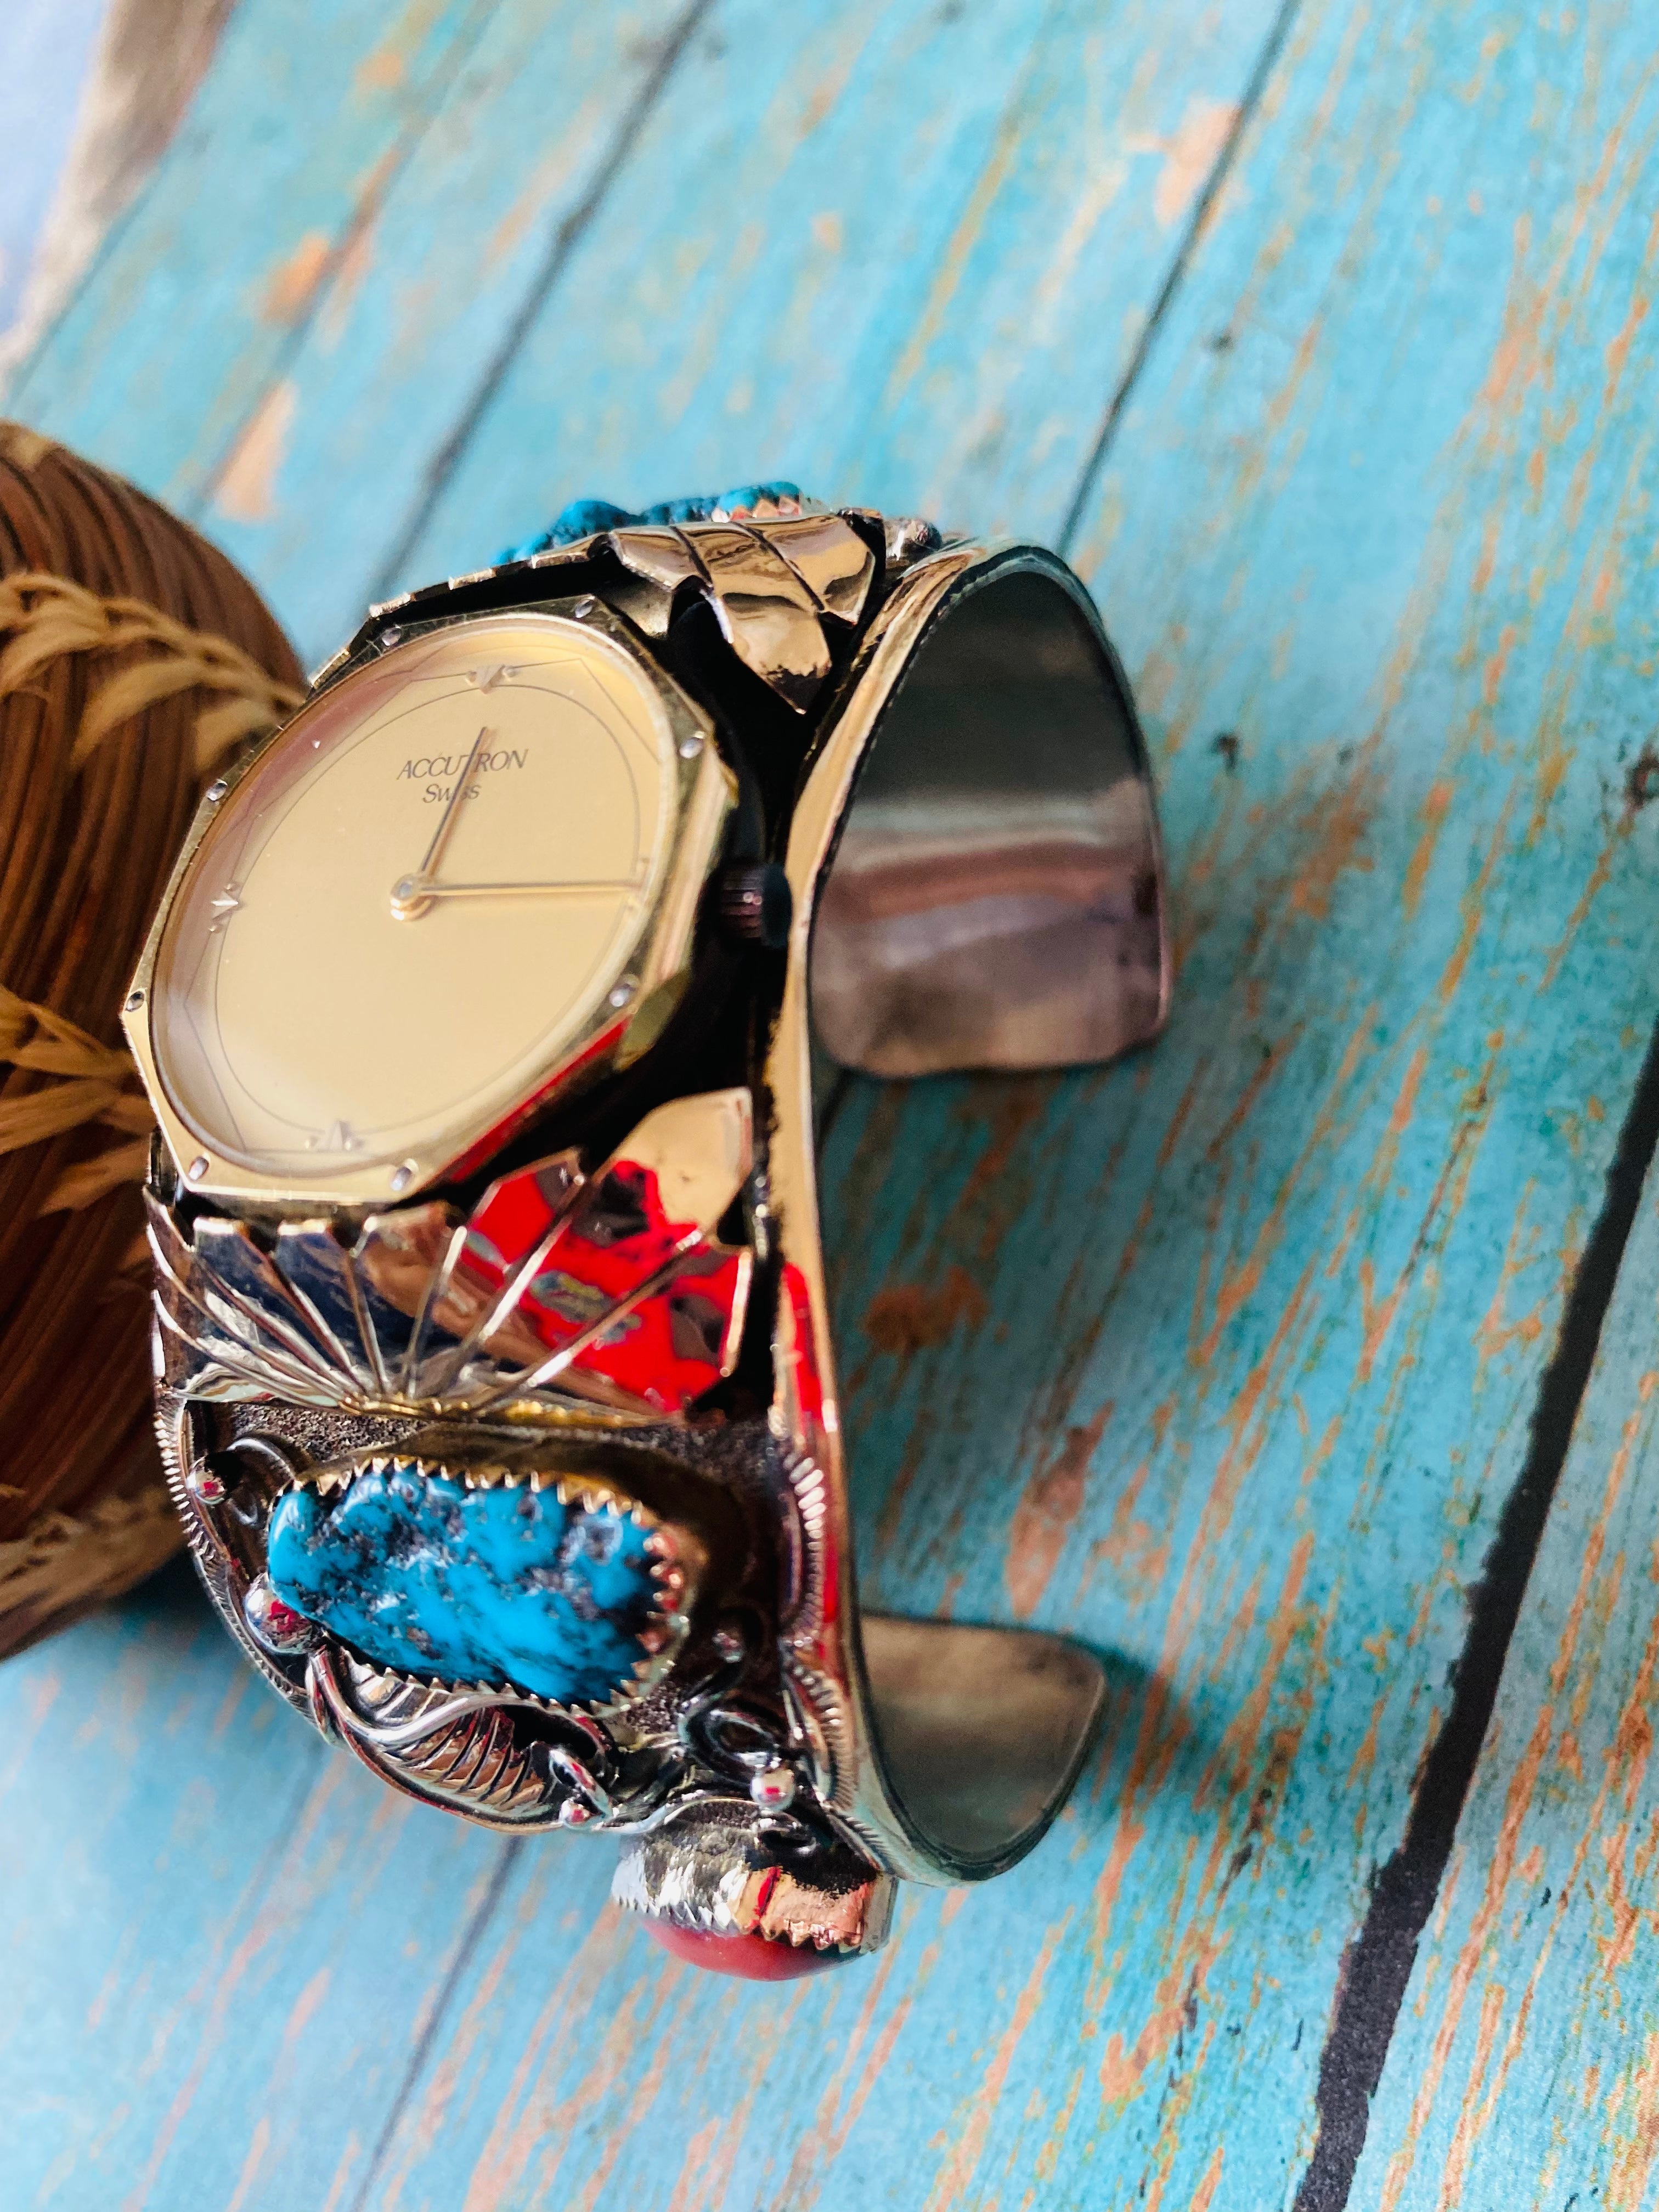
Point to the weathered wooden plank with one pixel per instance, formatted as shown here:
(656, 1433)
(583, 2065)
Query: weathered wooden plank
(264, 201)
(527, 128)
(221, 1945)
(1279, 1296)
(152, 368)
(1523, 2068)
(118, 74)
(908, 160)
(578, 2067)
(324, 2155)
(900, 252)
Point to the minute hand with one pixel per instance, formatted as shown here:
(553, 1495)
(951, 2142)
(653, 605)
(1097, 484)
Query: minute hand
(590, 884)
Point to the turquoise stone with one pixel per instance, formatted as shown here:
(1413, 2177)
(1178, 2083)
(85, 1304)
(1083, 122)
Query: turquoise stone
(583, 517)
(418, 1573)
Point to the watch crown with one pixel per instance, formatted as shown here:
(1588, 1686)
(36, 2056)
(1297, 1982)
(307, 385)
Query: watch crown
(756, 905)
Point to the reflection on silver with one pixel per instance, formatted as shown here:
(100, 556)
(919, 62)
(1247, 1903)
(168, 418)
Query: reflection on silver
(771, 584)
(282, 1631)
(618, 1295)
(995, 898)
(978, 1730)
(713, 1872)
(459, 1749)
(975, 868)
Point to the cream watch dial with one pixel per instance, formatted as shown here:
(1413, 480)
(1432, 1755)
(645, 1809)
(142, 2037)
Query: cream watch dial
(415, 899)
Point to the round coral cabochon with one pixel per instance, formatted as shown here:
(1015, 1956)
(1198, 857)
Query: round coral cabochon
(752, 1958)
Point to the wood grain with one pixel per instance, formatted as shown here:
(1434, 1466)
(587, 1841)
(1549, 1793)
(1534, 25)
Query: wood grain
(898, 250)
(221, 1945)
(1224, 1360)
(408, 323)
(203, 2126)
(819, 196)
(1525, 2069)
(172, 350)
(134, 84)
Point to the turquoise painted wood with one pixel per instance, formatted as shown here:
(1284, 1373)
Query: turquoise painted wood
(263, 208)
(903, 250)
(1523, 2070)
(408, 324)
(222, 1947)
(1287, 1286)
(1224, 1361)
(810, 192)
(47, 49)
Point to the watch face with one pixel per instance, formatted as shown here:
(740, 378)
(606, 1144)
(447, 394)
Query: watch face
(416, 901)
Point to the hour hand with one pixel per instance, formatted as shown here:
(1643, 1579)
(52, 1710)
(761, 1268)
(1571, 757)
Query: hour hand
(410, 895)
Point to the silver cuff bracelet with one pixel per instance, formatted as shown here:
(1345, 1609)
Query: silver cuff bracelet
(496, 1378)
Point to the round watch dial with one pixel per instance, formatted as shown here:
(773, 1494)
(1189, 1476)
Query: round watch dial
(416, 899)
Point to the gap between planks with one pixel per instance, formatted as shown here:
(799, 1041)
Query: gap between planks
(1198, 222)
(472, 1932)
(1404, 1891)
(564, 243)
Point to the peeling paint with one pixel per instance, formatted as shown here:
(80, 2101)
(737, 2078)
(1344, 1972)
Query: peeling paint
(247, 491)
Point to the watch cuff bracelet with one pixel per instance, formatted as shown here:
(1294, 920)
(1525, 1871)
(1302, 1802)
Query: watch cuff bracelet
(481, 1019)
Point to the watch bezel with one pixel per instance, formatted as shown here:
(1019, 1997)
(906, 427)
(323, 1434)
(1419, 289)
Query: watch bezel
(659, 959)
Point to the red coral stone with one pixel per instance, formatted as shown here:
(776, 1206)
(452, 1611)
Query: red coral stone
(752, 1958)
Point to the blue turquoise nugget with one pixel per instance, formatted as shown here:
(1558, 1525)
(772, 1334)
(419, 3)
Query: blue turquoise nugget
(506, 1586)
